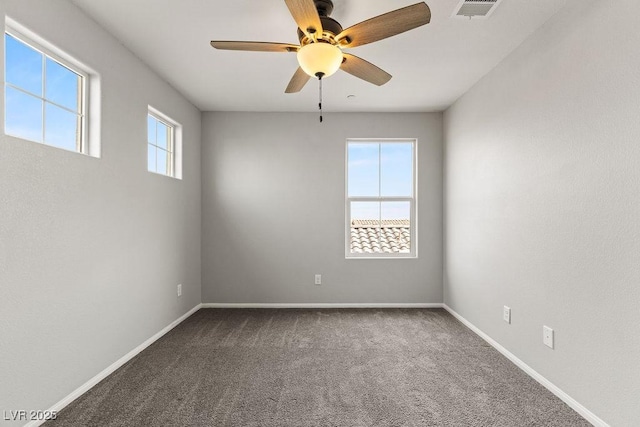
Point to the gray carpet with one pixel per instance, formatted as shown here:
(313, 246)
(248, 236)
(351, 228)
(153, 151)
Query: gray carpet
(337, 367)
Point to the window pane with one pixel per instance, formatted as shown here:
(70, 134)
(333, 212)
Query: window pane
(23, 115)
(162, 138)
(365, 227)
(395, 211)
(365, 211)
(23, 66)
(151, 130)
(396, 169)
(395, 231)
(363, 168)
(61, 128)
(62, 86)
(151, 157)
(161, 163)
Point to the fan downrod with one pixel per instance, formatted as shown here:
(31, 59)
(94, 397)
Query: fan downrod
(324, 7)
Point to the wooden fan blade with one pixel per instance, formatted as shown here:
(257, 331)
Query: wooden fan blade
(255, 46)
(364, 70)
(305, 14)
(299, 79)
(387, 25)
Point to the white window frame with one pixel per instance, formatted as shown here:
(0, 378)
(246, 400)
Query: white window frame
(413, 230)
(174, 144)
(16, 31)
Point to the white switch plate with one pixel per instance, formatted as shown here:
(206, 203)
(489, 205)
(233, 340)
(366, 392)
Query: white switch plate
(179, 290)
(318, 279)
(547, 336)
(506, 314)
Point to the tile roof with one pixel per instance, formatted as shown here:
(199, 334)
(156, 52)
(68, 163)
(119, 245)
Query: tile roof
(386, 236)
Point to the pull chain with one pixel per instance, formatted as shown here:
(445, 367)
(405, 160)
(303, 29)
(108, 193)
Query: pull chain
(320, 76)
(320, 103)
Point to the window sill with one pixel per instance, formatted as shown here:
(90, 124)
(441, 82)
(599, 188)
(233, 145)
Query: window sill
(382, 257)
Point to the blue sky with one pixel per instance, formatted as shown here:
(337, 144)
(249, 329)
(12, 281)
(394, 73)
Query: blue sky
(383, 169)
(157, 149)
(30, 77)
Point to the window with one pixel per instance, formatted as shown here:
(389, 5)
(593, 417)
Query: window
(45, 95)
(162, 144)
(381, 198)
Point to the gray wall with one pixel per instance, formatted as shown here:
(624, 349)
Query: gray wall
(543, 205)
(273, 210)
(91, 249)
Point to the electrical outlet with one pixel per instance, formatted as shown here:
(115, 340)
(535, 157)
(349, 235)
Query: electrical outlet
(318, 279)
(506, 314)
(547, 336)
(179, 290)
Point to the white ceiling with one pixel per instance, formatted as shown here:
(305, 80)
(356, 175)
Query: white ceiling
(431, 66)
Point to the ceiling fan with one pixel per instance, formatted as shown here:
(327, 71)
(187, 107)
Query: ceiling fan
(322, 40)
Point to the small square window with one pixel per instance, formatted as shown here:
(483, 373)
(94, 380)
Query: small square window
(162, 144)
(45, 95)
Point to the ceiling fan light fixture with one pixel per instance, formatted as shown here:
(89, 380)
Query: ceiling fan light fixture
(322, 39)
(320, 59)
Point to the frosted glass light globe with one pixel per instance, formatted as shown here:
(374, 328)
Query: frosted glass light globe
(320, 57)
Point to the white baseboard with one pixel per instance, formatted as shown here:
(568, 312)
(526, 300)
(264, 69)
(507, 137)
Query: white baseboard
(115, 365)
(320, 305)
(588, 415)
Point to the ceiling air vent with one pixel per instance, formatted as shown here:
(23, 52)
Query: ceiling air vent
(475, 8)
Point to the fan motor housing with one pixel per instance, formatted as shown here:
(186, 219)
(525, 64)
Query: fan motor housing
(329, 25)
